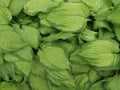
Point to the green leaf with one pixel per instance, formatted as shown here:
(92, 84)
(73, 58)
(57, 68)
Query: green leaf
(37, 69)
(98, 24)
(67, 46)
(93, 76)
(24, 86)
(117, 32)
(88, 35)
(81, 82)
(57, 36)
(97, 86)
(38, 83)
(61, 78)
(3, 72)
(103, 34)
(69, 17)
(96, 5)
(5, 15)
(30, 35)
(112, 83)
(16, 6)
(10, 41)
(7, 86)
(45, 30)
(32, 7)
(78, 69)
(100, 53)
(103, 13)
(114, 16)
(22, 59)
(1, 59)
(115, 2)
(47, 58)
(5, 2)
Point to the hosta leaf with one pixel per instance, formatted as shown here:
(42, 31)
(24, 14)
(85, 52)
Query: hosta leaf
(114, 16)
(100, 53)
(16, 6)
(32, 7)
(112, 83)
(117, 32)
(96, 5)
(10, 41)
(5, 15)
(22, 59)
(38, 83)
(5, 2)
(47, 58)
(69, 17)
(30, 35)
(7, 86)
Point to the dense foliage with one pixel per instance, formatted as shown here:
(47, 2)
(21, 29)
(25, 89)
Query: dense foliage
(59, 44)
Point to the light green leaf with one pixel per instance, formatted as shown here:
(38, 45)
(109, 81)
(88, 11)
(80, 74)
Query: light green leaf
(96, 5)
(30, 35)
(115, 2)
(1, 59)
(88, 35)
(24, 86)
(32, 7)
(103, 34)
(45, 30)
(81, 82)
(67, 46)
(117, 32)
(10, 41)
(38, 83)
(97, 86)
(57, 36)
(5, 15)
(93, 75)
(100, 53)
(114, 16)
(103, 13)
(16, 6)
(76, 1)
(78, 69)
(5, 2)
(69, 17)
(102, 24)
(22, 59)
(3, 72)
(61, 78)
(7, 86)
(37, 69)
(112, 83)
(47, 58)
